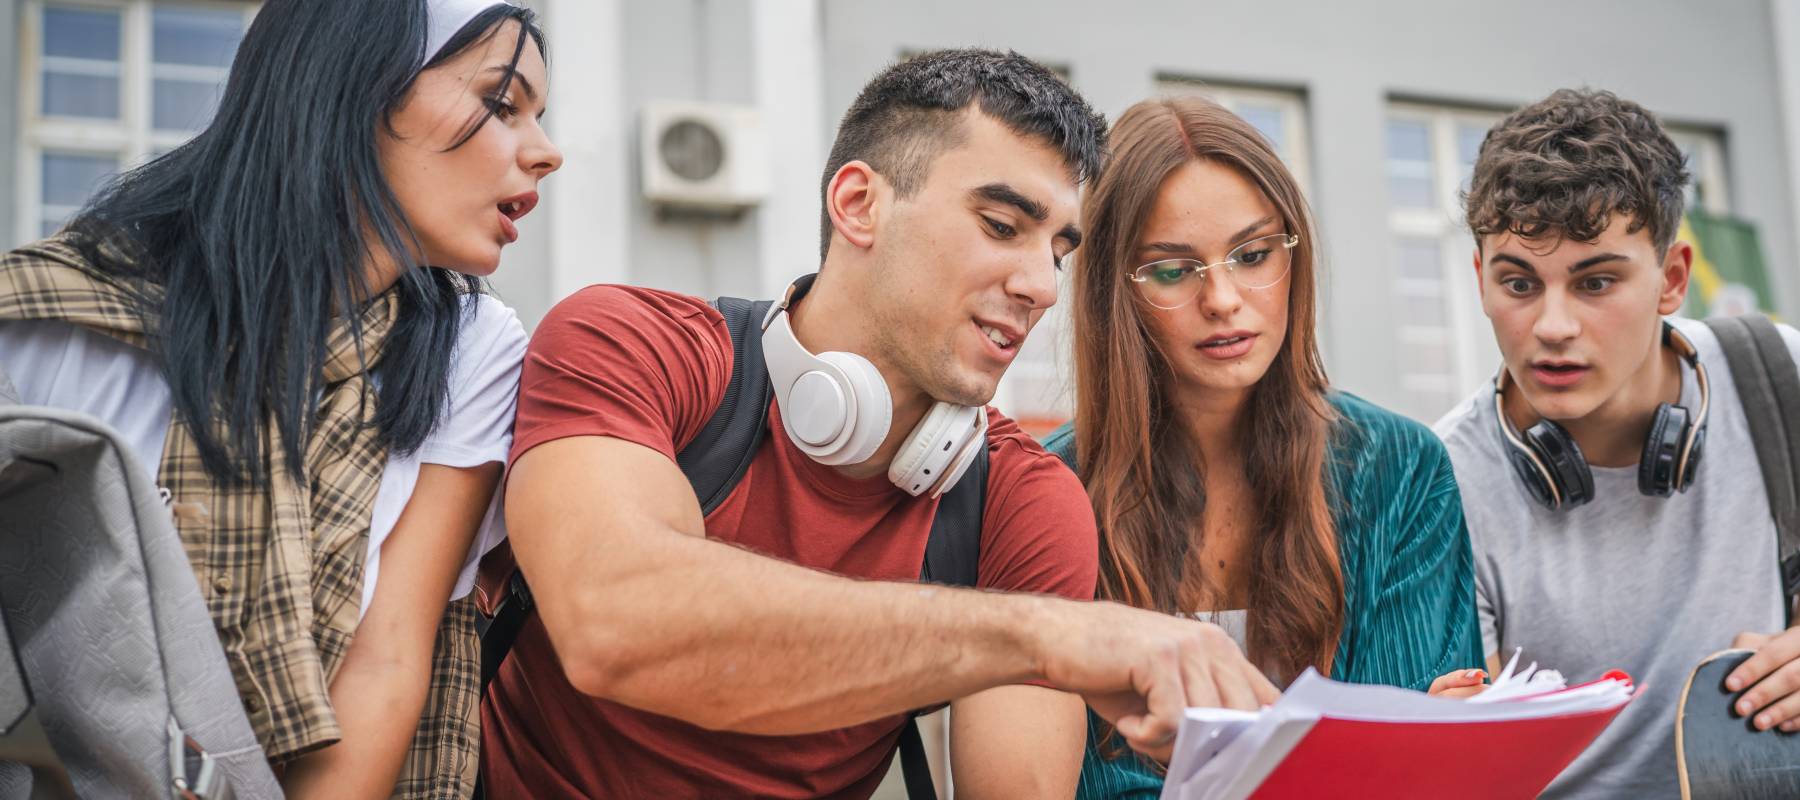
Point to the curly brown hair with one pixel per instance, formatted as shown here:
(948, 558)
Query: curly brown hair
(1564, 165)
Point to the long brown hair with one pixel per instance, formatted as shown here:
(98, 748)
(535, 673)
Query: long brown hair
(1138, 462)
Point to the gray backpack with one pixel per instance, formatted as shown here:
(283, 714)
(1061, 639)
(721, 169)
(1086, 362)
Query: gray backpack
(112, 680)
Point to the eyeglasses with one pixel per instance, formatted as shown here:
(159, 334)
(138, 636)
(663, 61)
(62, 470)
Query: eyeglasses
(1257, 264)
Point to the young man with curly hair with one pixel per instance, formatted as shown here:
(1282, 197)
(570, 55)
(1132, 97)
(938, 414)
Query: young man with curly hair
(1601, 539)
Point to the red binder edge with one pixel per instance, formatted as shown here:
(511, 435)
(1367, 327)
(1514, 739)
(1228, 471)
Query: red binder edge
(1362, 758)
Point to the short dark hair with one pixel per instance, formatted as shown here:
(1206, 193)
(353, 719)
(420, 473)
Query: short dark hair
(1565, 164)
(907, 115)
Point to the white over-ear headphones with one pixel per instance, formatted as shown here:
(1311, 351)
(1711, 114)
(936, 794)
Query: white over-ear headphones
(836, 409)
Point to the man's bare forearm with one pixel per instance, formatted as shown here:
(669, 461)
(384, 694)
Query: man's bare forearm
(733, 640)
(644, 611)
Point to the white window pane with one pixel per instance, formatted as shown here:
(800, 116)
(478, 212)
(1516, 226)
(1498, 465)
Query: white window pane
(1269, 121)
(1468, 146)
(195, 36)
(1408, 140)
(92, 96)
(1409, 164)
(1426, 358)
(181, 105)
(81, 33)
(1420, 260)
(1423, 310)
(1410, 192)
(69, 177)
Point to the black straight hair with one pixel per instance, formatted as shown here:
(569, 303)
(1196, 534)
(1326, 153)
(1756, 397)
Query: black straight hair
(254, 231)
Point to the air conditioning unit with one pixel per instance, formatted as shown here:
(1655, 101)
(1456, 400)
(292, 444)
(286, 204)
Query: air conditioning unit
(704, 156)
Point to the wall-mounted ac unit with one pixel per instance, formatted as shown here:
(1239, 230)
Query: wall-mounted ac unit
(707, 156)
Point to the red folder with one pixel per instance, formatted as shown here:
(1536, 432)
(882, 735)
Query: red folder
(1331, 739)
(1499, 760)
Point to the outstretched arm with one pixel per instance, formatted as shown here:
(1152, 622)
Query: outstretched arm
(643, 610)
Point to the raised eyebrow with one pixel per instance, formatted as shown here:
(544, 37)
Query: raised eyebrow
(1178, 248)
(1002, 193)
(1596, 260)
(1251, 228)
(1507, 258)
(519, 78)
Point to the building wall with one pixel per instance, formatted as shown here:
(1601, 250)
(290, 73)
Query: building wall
(9, 119)
(1711, 65)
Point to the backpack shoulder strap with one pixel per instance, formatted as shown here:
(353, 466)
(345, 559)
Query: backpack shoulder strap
(953, 557)
(953, 551)
(1769, 386)
(719, 455)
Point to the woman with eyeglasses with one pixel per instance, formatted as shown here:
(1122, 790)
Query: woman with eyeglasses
(1230, 481)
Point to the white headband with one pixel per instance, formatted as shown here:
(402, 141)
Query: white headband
(446, 17)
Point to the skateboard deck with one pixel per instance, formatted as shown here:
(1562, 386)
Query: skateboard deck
(1720, 754)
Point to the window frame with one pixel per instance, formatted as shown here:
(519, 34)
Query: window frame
(1297, 124)
(132, 137)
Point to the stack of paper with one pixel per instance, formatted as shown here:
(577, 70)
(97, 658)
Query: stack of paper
(1325, 738)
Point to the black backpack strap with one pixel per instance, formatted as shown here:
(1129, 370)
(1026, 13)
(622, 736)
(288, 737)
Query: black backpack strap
(1768, 384)
(913, 765)
(719, 455)
(952, 557)
(953, 552)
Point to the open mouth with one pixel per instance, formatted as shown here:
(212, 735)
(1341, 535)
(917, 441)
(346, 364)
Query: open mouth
(511, 210)
(515, 207)
(997, 336)
(1558, 373)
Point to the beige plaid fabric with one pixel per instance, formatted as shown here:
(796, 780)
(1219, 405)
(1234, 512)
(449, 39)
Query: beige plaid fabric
(281, 567)
(446, 749)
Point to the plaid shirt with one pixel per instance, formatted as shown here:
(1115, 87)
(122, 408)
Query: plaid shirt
(280, 566)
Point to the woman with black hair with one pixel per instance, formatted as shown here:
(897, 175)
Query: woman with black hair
(285, 318)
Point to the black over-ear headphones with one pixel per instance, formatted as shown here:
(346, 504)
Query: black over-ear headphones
(1550, 463)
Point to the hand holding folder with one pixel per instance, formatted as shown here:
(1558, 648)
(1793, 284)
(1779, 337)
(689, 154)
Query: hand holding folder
(1325, 738)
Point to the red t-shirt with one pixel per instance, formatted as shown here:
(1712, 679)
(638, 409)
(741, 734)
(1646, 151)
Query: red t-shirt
(650, 367)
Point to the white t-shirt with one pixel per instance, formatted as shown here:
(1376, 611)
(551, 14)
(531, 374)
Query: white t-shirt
(61, 365)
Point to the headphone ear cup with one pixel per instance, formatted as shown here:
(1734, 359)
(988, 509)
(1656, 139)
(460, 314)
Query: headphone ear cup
(969, 451)
(936, 452)
(1662, 451)
(871, 411)
(1536, 480)
(1562, 458)
(1693, 459)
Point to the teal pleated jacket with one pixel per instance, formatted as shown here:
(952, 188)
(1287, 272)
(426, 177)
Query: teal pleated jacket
(1409, 581)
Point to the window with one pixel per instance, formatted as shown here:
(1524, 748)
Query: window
(1279, 114)
(1445, 345)
(109, 84)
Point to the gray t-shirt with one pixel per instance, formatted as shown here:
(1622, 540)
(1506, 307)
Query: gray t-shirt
(1645, 584)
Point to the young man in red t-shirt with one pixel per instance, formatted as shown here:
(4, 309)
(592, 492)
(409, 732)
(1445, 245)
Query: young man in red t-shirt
(773, 647)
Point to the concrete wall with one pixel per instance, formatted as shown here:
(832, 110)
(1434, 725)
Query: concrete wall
(1710, 64)
(9, 120)
(608, 60)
